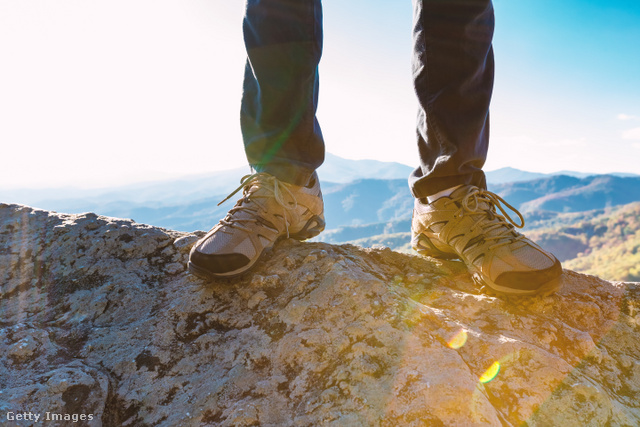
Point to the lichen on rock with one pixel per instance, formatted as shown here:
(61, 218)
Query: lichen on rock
(99, 316)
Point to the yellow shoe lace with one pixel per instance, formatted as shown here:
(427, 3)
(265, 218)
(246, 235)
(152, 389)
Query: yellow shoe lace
(493, 230)
(278, 189)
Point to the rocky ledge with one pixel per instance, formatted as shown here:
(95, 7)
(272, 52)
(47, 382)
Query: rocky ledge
(100, 320)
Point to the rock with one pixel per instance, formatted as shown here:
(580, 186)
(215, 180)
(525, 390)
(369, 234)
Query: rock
(99, 317)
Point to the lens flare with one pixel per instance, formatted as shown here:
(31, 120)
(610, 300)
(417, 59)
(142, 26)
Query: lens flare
(458, 340)
(490, 373)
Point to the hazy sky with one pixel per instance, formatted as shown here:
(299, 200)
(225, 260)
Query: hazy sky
(96, 93)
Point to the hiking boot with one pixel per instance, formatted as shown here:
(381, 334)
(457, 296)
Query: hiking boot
(269, 210)
(466, 225)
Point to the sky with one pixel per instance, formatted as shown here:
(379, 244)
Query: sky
(103, 93)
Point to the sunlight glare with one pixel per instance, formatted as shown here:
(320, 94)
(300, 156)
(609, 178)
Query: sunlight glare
(459, 340)
(490, 373)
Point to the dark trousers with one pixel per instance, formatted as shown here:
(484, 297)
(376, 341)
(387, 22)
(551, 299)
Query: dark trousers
(452, 73)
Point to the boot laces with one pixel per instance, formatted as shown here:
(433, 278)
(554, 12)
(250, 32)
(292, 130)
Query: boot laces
(249, 203)
(496, 226)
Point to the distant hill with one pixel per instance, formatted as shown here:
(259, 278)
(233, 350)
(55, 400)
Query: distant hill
(367, 201)
(606, 245)
(357, 233)
(337, 169)
(505, 175)
(182, 190)
(569, 194)
(189, 189)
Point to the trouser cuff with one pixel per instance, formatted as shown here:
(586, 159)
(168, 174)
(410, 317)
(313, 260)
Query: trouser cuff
(287, 172)
(428, 186)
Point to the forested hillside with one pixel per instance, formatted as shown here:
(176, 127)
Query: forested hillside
(607, 245)
(604, 242)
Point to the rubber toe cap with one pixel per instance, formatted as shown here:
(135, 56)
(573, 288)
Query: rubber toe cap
(529, 280)
(218, 264)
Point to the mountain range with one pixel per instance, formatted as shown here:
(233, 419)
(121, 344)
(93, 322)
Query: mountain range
(507, 174)
(361, 197)
(190, 188)
(563, 193)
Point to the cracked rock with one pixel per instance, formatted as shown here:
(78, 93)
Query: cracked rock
(99, 316)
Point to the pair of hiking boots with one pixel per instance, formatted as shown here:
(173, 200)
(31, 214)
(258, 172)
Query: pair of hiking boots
(470, 224)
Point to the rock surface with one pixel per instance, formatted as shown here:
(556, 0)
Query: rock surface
(99, 317)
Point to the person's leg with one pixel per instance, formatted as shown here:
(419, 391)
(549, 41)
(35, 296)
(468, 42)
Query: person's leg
(453, 75)
(282, 140)
(453, 78)
(280, 131)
